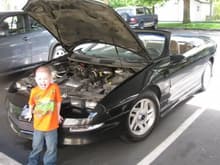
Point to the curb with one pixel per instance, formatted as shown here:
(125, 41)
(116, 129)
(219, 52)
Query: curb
(161, 28)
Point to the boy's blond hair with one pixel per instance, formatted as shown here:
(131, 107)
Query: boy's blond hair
(43, 69)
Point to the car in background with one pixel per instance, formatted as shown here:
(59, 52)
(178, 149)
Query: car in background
(138, 17)
(24, 42)
(113, 79)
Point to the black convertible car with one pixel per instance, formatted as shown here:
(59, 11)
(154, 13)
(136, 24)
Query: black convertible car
(112, 78)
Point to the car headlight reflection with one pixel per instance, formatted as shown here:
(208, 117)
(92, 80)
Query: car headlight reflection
(20, 86)
(90, 104)
(68, 122)
(77, 103)
(83, 104)
(82, 124)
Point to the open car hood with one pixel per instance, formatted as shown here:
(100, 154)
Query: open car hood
(73, 22)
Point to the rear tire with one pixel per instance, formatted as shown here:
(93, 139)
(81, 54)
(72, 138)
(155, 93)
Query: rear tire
(142, 117)
(206, 77)
(154, 26)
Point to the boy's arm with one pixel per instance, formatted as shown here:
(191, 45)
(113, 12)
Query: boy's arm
(30, 113)
(60, 118)
(31, 104)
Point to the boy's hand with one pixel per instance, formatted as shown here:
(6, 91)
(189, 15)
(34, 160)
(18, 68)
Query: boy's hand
(28, 116)
(60, 118)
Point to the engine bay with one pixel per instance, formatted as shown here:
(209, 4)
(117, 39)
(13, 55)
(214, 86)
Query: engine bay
(82, 84)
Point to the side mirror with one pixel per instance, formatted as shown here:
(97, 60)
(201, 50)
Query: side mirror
(4, 29)
(177, 59)
(3, 33)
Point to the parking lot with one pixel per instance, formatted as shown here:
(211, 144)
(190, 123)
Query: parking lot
(186, 136)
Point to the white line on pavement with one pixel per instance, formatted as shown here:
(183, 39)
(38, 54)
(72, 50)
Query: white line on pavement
(170, 139)
(5, 160)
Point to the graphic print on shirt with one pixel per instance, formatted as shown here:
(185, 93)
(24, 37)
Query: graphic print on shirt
(44, 106)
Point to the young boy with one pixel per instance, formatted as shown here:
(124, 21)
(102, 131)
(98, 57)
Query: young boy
(44, 103)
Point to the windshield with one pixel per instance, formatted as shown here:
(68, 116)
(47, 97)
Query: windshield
(153, 43)
(101, 50)
(129, 11)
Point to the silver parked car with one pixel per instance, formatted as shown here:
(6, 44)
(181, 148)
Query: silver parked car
(24, 42)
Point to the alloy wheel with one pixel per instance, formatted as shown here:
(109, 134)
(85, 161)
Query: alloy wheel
(142, 117)
(58, 52)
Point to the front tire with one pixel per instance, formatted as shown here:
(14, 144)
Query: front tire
(142, 117)
(154, 26)
(141, 25)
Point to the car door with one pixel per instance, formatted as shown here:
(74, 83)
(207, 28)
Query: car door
(15, 48)
(148, 18)
(41, 41)
(184, 76)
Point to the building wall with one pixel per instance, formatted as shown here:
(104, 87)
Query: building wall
(173, 11)
(199, 11)
(11, 4)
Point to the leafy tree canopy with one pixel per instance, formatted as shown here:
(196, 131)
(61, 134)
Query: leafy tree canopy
(149, 3)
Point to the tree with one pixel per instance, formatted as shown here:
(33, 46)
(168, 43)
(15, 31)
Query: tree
(216, 9)
(149, 3)
(186, 11)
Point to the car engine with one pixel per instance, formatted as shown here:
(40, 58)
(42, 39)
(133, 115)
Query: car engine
(81, 83)
(90, 82)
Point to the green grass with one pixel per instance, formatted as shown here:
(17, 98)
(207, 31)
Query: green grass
(193, 25)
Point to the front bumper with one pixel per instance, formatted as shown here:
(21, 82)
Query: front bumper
(146, 25)
(68, 137)
(133, 26)
(21, 127)
(73, 134)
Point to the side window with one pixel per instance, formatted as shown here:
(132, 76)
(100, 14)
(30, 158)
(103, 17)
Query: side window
(147, 11)
(181, 45)
(3, 29)
(15, 24)
(140, 11)
(34, 25)
(153, 43)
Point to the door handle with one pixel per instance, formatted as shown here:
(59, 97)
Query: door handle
(25, 38)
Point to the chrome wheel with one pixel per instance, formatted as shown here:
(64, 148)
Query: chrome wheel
(142, 117)
(207, 76)
(58, 52)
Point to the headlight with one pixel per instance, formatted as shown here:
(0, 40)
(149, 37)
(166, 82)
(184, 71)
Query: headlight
(78, 103)
(83, 104)
(20, 86)
(74, 122)
(80, 121)
(80, 125)
(90, 104)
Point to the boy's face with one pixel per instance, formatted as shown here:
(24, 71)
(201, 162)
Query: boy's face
(43, 79)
